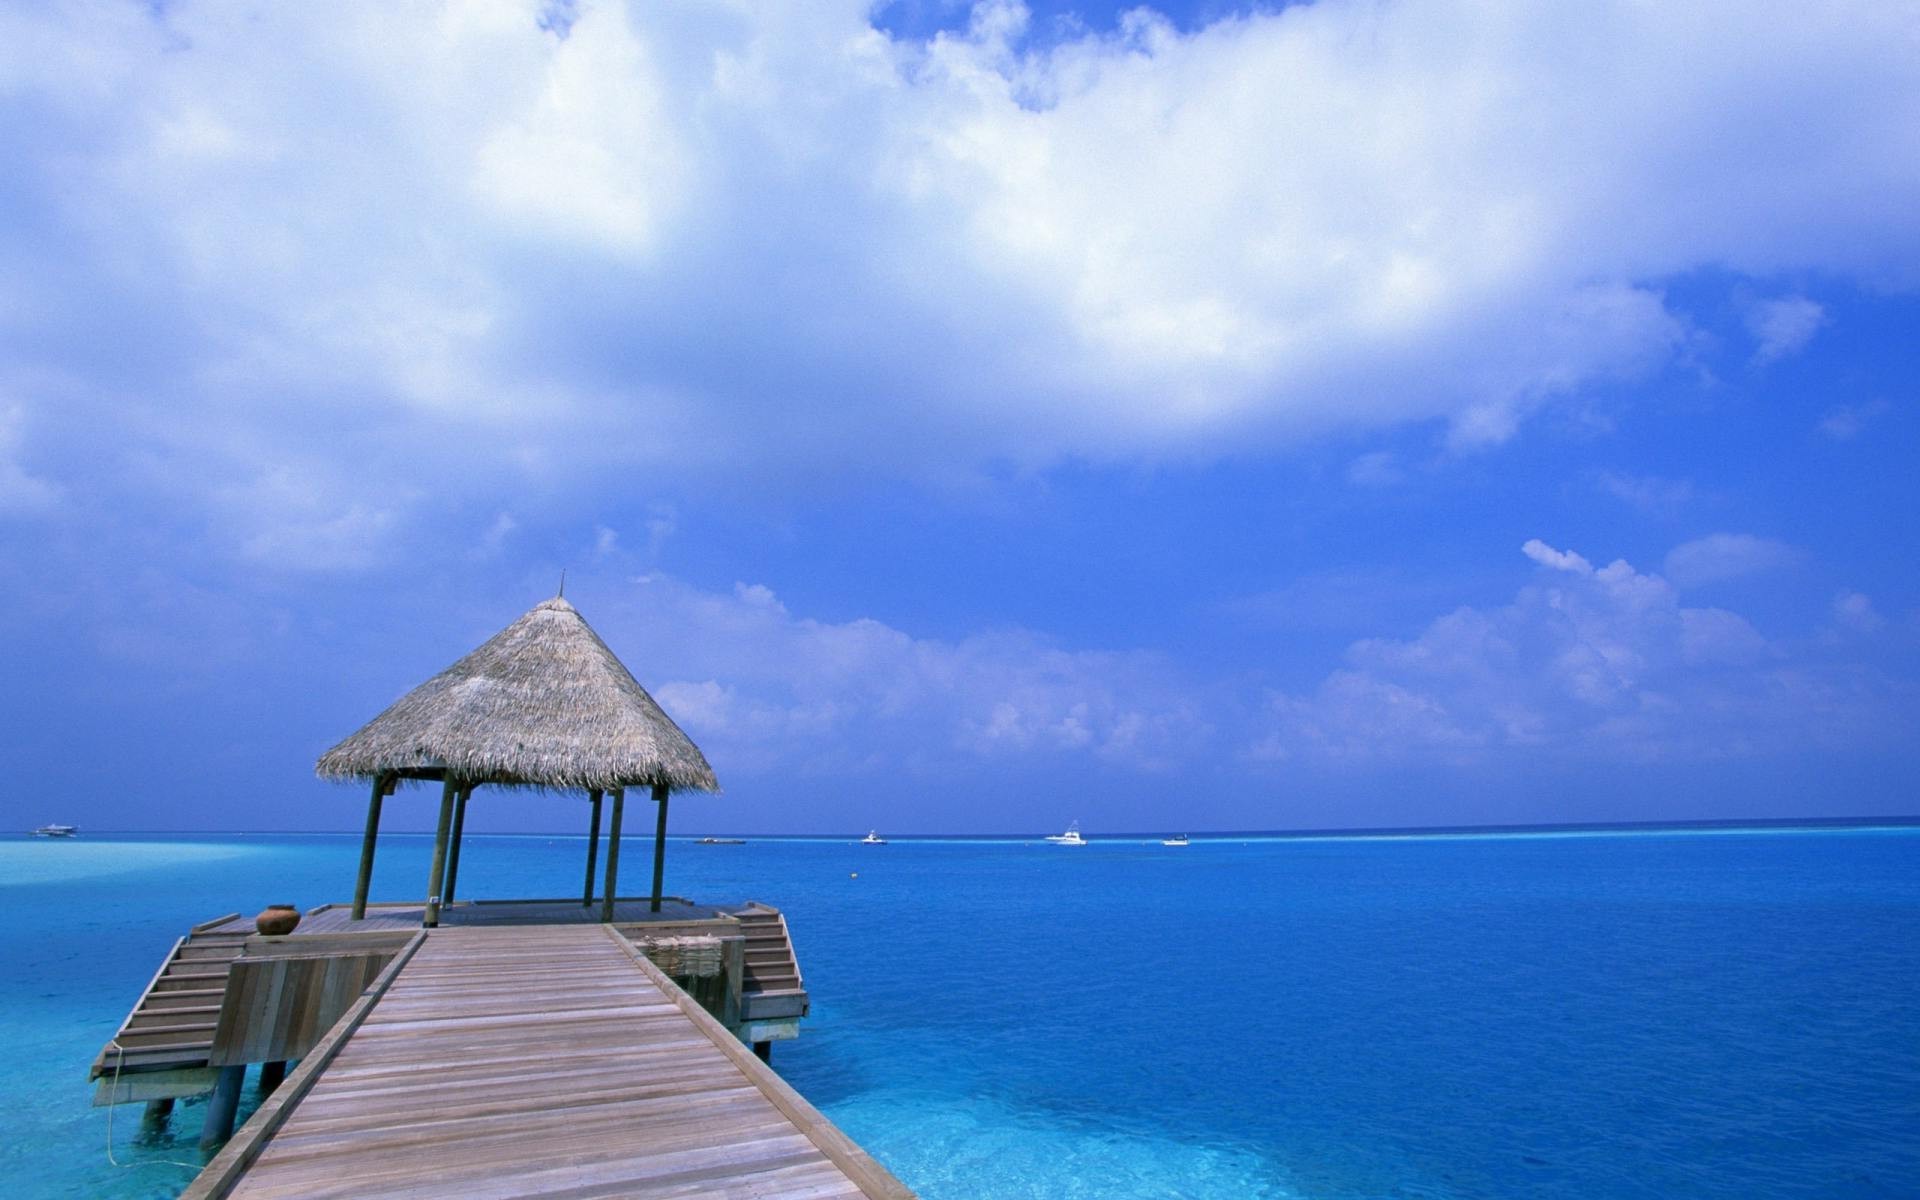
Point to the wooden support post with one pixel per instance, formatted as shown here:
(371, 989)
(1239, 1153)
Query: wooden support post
(430, 915)
(659, 845)
(154, 1119)
(613, 854)
(381, 785)
(453, 851)
(222, 1105)
(765, 1051)
(593, 849)
(271, 1074)
(735, 949)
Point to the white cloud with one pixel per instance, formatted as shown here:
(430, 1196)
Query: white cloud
(1585, 663)
(1377, 468)
(1342, 598)
(1846, 421)
(1559, 560)
(290, 517)
(1855, 613)
(763, 688)
(495, 538)
(770, 237)
(1783, 326)
(592, 155)
(1648, 493)
(20, 491)
(663, 521)
(1722, 556)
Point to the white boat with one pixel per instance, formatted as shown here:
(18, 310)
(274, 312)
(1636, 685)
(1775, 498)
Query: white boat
(56, 831)
(1070, 838)
(873, 838)
(1179, 840)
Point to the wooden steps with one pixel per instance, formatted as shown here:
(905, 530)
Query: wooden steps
(185, 998)
(770, 962)
(171, 1024)
(771, 989)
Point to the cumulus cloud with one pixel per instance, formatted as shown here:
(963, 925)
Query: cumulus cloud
(1783, 326)
(1559, 560)
(764, 688)
(1588, 662)
(520, 245)
(1722, 556)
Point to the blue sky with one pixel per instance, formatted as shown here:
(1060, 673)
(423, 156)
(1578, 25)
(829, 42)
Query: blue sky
(973, 418)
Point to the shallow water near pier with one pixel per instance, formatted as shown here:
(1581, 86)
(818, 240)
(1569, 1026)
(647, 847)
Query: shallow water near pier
(1588, 1017)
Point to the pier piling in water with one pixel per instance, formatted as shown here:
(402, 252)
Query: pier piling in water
(222, 1105)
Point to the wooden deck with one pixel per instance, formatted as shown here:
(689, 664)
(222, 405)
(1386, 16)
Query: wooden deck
(405, 917)
(536, 1061)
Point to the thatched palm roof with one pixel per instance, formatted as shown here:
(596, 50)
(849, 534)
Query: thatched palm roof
(543, 703)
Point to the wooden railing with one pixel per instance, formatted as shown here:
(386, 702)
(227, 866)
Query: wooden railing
(227, 1167)
(276, 1009)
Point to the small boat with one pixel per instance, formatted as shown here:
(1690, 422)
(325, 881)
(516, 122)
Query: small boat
(873, 838)
(1070, 838)
(714, 841)
(1176, 840)
(61, 831)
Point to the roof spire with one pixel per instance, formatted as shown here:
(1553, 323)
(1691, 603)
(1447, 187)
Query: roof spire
(562, 593)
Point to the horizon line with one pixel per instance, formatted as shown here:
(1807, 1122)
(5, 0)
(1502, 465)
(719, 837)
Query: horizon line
(1721, 823)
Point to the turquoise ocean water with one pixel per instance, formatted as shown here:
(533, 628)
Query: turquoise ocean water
(1589, 1017)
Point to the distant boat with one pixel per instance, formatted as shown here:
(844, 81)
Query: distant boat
(1070, 838)
(1176, 840)
(713, 841)
(56, 831)
(873, 838)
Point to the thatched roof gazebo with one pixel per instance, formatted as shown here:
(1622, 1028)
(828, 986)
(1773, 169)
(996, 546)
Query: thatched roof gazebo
(544, 705)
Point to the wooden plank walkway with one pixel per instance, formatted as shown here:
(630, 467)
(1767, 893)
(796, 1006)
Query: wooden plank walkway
(545, 1061)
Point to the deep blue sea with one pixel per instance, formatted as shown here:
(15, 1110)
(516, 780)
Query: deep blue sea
(1585, 1016)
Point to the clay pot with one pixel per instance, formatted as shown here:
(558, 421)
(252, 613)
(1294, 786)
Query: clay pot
(277, 919)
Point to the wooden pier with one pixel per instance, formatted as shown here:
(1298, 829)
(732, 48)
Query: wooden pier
(519, 1049)
(593, 1046)
(537, 1061)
